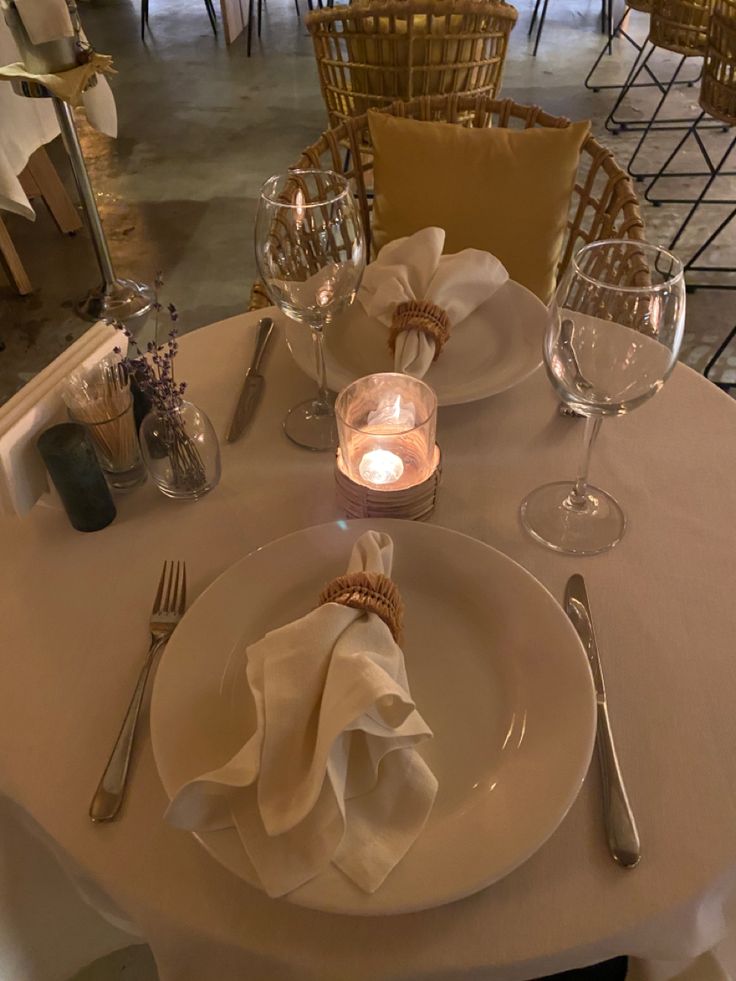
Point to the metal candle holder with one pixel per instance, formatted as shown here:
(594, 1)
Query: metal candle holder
(115, 298)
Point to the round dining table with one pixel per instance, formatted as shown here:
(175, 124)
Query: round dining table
(75, 613)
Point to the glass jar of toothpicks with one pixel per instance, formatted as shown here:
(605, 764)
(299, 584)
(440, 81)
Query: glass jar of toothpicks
(100, 398)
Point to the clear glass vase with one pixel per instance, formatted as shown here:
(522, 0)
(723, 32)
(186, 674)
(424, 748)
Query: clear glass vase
(181, 451)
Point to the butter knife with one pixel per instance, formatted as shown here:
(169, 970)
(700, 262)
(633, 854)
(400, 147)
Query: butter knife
(252, 389)
(623, 837)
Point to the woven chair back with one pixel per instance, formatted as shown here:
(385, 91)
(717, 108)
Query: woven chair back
(603, 203)
(680, 26)
(718, 88)
(370, 54)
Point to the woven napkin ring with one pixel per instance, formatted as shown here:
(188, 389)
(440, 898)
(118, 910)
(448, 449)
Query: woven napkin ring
(371, 592)
(423, 316)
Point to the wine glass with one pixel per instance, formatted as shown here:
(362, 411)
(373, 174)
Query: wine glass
(310, 251)
(615, 328)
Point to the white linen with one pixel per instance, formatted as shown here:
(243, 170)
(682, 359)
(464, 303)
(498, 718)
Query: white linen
(35, 407)
(45, 20)
(74, 613)
(303, 794)
(413, 268)
(28, 124)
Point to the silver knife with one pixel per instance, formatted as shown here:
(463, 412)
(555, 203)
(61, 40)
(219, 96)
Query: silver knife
(250, 395)
(623, 838)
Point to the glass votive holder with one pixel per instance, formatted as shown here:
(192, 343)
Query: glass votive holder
(75, 471)
(386, 425)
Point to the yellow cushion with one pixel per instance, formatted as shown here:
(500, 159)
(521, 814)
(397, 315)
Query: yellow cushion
(505, 191)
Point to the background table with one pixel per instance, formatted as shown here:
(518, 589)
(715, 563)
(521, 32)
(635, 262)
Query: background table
(74, 610)
(27, 124)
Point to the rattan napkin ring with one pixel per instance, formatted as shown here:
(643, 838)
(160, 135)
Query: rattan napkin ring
(423, 316)
(371, 592)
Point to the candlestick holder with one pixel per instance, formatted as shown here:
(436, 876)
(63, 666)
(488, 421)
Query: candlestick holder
(388, 464)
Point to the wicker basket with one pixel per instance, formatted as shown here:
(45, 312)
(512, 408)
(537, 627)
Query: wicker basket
(680, 25)
(718, 88)
(643, 6)
(371, 53)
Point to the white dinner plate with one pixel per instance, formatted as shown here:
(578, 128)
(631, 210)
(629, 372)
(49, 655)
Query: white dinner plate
(497, 347)
(495, 668)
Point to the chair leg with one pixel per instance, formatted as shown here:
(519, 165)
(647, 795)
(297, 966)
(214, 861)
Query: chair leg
(713, 360)
(533, 21)
(652, 122)
(144, 18)
(251, 15)
(260, 11)
(540, 28)
(11, 260)
(298, 12)
(212, 15)
(48, 184)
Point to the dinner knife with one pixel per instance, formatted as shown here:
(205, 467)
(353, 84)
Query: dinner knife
(623, 837)
(252, 389)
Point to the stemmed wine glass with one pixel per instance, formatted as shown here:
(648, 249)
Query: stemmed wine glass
(310, 251)
(615, 328)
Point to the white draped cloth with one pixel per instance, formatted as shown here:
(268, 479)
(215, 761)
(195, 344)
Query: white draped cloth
(74, 611)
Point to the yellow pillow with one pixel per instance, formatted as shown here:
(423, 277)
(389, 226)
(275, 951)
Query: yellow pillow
(502, 190)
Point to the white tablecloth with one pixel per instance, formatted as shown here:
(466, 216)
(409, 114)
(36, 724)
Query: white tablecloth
(25, 125)
(74, 611)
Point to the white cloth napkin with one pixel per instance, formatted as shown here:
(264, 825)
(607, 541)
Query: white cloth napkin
(331, 773)
(38, 405)
(414, 268)
(45, 20)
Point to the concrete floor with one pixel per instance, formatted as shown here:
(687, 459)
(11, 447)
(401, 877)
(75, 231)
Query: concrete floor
(201, 126)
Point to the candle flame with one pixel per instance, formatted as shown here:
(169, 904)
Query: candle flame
(381, 467)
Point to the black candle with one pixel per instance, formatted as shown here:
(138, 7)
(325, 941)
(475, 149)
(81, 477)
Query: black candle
(72, 463)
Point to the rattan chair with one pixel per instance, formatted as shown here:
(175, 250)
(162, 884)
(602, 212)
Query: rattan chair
(717, 102)
(603, 202)
(370, 54)
(680, 26)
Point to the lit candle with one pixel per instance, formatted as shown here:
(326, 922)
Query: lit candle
(381, 467)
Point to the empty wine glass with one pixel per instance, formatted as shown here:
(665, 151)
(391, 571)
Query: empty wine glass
(310, 251)
(615, 328)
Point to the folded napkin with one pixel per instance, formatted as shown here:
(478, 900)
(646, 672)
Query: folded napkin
(45, 20)
(423, 295)
(70, 85)
(35, 407)
(331, 773)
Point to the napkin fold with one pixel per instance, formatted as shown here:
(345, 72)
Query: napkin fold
(331, 773)
(70, 86)
(414, 269)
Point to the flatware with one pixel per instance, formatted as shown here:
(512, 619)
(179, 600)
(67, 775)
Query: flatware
(250, 394)
(623, 837)
(168, 609)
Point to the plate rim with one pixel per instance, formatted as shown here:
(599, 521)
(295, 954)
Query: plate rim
(292, 326)
(364, 524)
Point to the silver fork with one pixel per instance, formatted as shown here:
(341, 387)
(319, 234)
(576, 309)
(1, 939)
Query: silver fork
(168, 609)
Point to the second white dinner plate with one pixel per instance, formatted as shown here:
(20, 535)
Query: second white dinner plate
(495, 668)
(498, 346)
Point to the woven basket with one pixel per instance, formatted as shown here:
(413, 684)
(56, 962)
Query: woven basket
(643, 6)
(718, 88)
(680, 25)
(372, 52)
